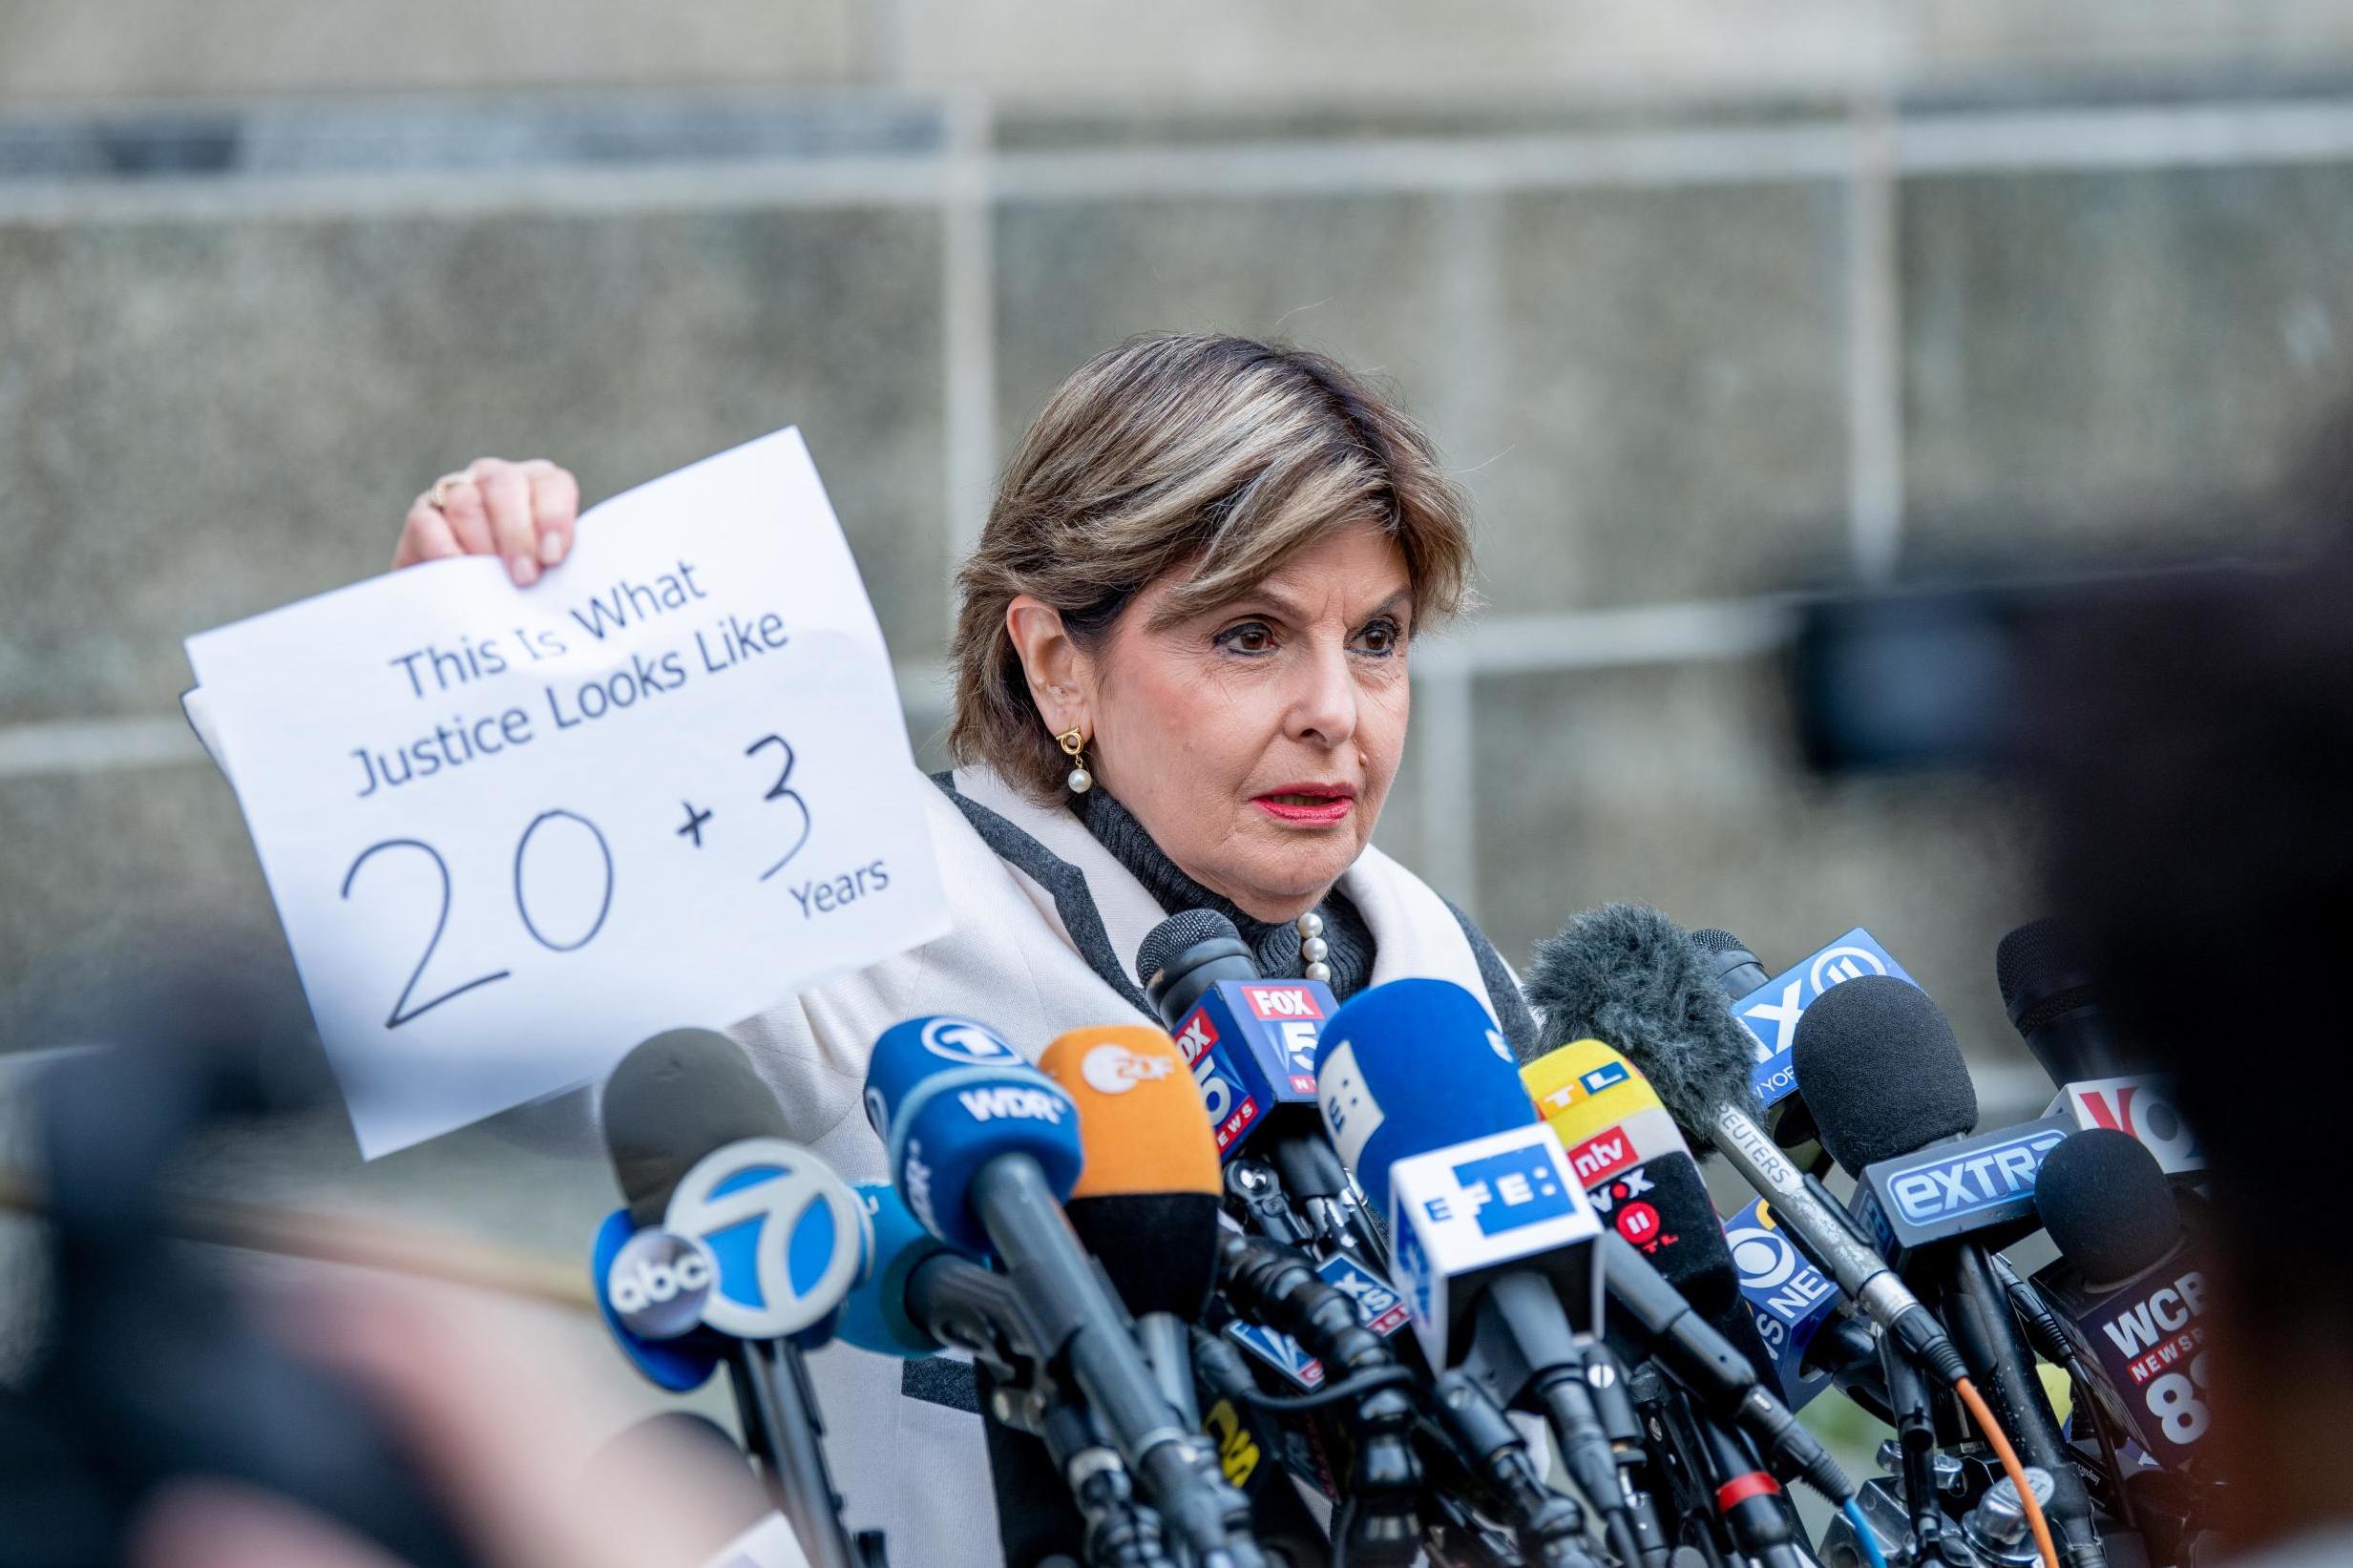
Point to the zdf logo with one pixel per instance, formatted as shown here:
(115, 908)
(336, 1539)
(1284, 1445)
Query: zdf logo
(784, 1236)
(1113, 1069)
(658, 1282)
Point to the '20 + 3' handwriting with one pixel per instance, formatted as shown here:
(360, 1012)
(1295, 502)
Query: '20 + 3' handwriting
(403, 1011)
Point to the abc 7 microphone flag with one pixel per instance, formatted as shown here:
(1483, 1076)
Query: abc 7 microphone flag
(761, 1241)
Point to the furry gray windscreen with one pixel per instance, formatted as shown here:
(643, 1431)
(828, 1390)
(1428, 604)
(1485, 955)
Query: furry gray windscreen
(1627, 975)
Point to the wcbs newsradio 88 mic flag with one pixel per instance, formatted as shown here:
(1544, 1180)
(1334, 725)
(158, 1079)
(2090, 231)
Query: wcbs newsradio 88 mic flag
(510, 833)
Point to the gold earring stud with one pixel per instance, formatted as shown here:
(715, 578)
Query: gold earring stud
(1074, 746)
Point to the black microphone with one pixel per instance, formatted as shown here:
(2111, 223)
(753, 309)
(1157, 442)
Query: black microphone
(1184, 955)
(676, 1101)
(2128, 1294)
(1257, 1077)
(1730, 963)
(2053, 1002)
(1881, 1073)
(1627, 975)
(1738, 972)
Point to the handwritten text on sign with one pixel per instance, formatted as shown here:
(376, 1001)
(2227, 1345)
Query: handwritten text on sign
(511, 832)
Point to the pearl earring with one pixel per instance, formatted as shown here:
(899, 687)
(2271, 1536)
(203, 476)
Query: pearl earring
(1074, 746)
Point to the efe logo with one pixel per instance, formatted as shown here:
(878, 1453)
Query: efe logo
(1507, 1190)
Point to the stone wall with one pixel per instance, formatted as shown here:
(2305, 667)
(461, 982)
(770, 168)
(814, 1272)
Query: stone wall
(1684, 358)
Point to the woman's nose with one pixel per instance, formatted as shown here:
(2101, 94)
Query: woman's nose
(1324, 707)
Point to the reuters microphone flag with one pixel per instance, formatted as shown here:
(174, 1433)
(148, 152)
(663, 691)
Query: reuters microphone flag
(1141, 1117)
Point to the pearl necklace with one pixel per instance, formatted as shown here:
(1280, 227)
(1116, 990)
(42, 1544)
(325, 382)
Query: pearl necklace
(1313, 947)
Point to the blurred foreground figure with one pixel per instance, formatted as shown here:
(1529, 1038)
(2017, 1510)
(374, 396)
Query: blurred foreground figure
(2195, 763)
(176, 1418)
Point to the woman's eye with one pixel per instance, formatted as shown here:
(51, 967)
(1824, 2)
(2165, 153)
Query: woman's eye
(1249, 638)
(1380, 638)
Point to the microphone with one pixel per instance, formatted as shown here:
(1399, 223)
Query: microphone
(1888, 1089)
(1636, 1169)
(1423, 1101)
(1885, 1078)
(1626, 974)
(720, 1196)
(984, 1148)
(2056, 1007)
(1641, 1179)
(2048, 989)
(1148, 1200)
(2130, 1301)
(1186, 954)
(1788, 1300)
(876, 1315)
(1250, 1044)
(1490, 1228)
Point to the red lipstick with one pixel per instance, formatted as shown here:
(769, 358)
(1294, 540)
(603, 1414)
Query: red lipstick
(1308, 805)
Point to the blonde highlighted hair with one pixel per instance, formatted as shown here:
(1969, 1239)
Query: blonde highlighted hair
(1215, 456)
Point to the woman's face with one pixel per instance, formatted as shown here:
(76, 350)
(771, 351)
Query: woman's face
(1255, 741)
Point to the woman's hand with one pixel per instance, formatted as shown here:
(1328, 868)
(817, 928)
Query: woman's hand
(522, 513)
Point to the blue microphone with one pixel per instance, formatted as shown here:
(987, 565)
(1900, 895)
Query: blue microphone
(1785, 1295)
(1490, 1226)
(1251, 1043)
(673, 1364)
(1411, 1066)
(741, 1236)
(947, 1097)
(875, 1317)
(984, 1149)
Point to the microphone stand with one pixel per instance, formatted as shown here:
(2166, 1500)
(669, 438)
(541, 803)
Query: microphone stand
(1978, 1307)
(782, 1431)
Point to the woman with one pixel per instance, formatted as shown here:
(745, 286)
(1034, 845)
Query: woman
(1180, 664)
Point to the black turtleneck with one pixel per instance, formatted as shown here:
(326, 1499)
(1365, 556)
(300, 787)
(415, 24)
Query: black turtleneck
(1274, 944)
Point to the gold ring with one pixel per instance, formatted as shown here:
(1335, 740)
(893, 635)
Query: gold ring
(439, 498)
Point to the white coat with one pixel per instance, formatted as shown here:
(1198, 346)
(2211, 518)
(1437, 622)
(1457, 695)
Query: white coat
(908, 1466)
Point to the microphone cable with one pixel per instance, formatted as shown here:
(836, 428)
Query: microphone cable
(1999, 1440)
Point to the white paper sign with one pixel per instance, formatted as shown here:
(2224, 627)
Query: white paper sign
(510, 833)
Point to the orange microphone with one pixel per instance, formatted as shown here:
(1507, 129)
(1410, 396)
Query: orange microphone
(1146, 1202)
